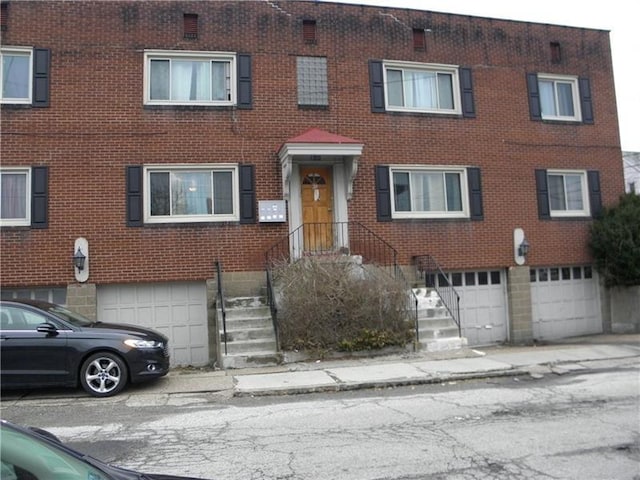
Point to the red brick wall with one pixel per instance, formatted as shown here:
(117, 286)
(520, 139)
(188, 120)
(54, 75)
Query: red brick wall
(96, 125)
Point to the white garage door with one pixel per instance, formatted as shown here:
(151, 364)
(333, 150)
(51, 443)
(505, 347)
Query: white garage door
(565, 302)
(178, 310)
(483, 305)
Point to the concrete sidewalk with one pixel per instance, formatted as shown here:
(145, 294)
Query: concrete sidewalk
(409, 369)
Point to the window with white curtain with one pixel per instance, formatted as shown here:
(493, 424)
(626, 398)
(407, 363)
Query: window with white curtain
(422, 87)
(15, 72)
(189, 78)
(191, 193)
(420, 192)
(15, 197)
(559, 98)
(568, 193)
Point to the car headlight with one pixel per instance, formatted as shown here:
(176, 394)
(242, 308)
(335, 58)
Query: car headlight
(137, 343)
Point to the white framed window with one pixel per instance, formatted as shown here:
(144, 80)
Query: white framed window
(189, 78)
(191, 193)
(429, 192)
(15, 197)
(417, 87)
(568, 193)
(559, 97)
(16, 73)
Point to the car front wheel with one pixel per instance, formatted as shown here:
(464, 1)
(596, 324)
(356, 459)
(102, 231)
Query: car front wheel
(103, 374)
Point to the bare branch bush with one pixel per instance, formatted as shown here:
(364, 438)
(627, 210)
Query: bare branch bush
(330, 304)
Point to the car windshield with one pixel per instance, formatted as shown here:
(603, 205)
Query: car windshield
(23, 456)
(69, 316)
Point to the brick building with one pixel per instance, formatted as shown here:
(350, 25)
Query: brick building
(163, 137)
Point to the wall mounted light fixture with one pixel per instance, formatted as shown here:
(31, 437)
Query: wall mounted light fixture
(80, 259)
(521, 246)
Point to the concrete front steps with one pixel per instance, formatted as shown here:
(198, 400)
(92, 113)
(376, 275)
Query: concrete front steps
(437, 330)
(251, 340)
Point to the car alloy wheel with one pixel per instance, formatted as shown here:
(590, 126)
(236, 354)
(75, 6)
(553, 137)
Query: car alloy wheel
(103, 374)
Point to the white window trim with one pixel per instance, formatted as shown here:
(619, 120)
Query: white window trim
(182, 54)
(575, 90)
(19, 222)
(464, 192)
(586, 210)
(431, 67)
(18, 50)
(192, 218)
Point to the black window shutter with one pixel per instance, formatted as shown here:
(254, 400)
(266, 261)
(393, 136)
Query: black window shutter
(586, 104)
(544, 213)
(376, 85)
(595, 196)
(134, 196)
(466, 93)
(247, 194)
(475, 193)
(534, 96)
(383, 194)
(39, 197)
(41, 67)
(244, 81)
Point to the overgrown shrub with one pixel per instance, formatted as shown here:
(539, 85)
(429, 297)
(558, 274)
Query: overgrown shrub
(615, 242)
(330, 303)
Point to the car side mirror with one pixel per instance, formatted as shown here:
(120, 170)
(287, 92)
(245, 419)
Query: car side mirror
(48, 328)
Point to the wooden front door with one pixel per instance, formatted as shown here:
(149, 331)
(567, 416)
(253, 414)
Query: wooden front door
(317, 208)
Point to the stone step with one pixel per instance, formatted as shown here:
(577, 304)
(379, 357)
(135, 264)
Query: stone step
(257, 359)
(445, 332)
(247, 322)
(251, 333)
(443, 344)
(250, 347)
(245, 302)
(243, 312)
(444, 322)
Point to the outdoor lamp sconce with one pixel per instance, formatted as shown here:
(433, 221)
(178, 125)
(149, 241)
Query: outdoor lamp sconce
(80, 260)
(520, 246)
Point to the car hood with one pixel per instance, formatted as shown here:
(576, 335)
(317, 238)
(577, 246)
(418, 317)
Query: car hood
(127, 329)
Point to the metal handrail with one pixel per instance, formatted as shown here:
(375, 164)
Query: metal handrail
(271, 301)
(435, 278)
(220, 302)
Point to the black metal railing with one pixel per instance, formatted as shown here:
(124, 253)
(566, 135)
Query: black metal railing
(220, 303)
(341, 238)
(271, 300)
(427, 267)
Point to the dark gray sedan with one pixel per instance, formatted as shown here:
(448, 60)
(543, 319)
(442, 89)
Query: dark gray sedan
(43, 344)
